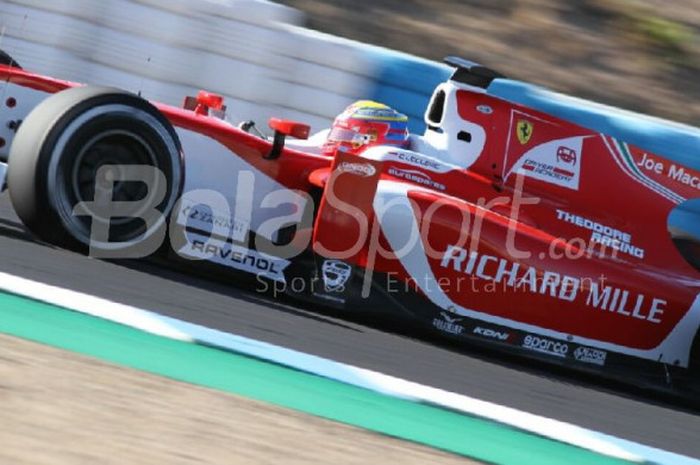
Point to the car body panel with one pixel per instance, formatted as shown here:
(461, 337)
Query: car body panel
(502, 223)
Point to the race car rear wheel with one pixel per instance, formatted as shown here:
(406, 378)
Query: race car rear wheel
(96, 169)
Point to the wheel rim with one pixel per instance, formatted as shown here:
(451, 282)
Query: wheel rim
(112, 148)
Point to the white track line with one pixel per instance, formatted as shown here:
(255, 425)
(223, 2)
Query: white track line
(176, 329)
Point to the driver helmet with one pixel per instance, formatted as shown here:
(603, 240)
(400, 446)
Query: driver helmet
(365, 124)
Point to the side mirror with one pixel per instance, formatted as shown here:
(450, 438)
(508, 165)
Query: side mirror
(205, 102)
(290, 128)
(210, 100)
(284, 128)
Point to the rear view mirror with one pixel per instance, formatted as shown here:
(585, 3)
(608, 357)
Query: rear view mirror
(290, 128)
(206, 104)
(284, 128)
(210, 100)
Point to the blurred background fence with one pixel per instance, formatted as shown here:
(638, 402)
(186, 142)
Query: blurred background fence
(257, 54)
(253, 52)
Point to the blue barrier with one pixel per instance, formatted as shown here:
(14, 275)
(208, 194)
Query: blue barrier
(678, 142)
(406, 82)
(685, 218)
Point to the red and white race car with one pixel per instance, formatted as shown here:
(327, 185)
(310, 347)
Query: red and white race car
(522, 219)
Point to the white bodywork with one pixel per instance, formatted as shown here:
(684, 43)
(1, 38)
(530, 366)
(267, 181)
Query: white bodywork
(211, 170)
(213, 175)
(399, 222)
(24, 99)
(441, 139)
(229, 198)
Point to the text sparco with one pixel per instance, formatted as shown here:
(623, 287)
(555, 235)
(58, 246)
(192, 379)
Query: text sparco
(547, 346)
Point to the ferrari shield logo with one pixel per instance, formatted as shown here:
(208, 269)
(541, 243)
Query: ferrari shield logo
(524, 130)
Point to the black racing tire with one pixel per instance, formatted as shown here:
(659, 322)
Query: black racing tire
(6, 59)
(54, 161)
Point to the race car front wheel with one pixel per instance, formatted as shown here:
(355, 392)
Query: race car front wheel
(96, 169)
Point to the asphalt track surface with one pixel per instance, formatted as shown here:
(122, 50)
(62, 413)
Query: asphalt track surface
(509, 381)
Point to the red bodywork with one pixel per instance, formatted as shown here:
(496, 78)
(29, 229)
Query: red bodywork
(544, 271)
(627, 286)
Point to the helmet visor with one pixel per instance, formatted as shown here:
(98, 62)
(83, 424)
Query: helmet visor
(338, 134)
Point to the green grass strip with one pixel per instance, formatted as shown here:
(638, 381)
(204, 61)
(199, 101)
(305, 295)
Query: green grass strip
(229, 372)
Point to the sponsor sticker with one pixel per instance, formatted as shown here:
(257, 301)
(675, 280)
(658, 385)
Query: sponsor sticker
(417, 177)
(525, 129)
(234, 256)
(448, 324)
(590, 355)
(675, 172)
(419, 160)
(546, 346)
(548, 171)
(335, 275)
(202, 218)
(520, 277)
(556, 162)
(492, 334)
(603, 234)
(408, 157)
(359, 169)
(567, 155)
